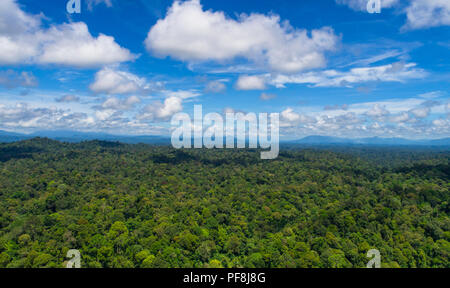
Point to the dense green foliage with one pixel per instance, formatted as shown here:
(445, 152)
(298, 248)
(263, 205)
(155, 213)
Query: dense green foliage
(148, 206)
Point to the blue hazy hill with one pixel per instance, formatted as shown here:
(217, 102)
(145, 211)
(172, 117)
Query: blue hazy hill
(74, 136)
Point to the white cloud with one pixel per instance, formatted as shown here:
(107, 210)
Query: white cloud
(173, 103)
(290, 118)
(424, 109)
(396, 72)
(68, 98)
(335, 107)
(24, 41)
(392, 105)
(91, 3)
(114, 103)
(402, 117)
(112, 81)
(378, 111)
(73, 45)
(389, 118)
(12, 79)
(442, 123)
(246, 82)
(290, 115)
(215, 87)
(431, 95)
(427, 13)
(22, 115)
(15, 21)
(182, 94)
(267, 97)
(232, 110)
(162, 111)
(421, 112)
(104, 115)
(189, 33)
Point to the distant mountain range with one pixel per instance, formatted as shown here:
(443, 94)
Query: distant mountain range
(327, 140)
(73, 136)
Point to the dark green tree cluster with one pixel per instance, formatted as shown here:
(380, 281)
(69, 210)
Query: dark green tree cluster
(153, 206)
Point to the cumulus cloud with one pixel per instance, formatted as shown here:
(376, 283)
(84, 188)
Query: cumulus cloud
(22, 115)
(232, 110)
(162, 111)
(290, 115)
(114, 114)
(189, 33)
(113, 81)
(182, 94)
(246, 82)
(402, 117)
(114, 103)
(12, 79)
(290, 118)
(396, 72)
(424, 109)
(442, 123)
(92, 3)
(390, 118)
(345, 123)
(14, 21)
(432, 95)
(67, 98)
(427, 13)
(267, 96)
(215, 87)
(409, 118)
(335, 107)
(378, 111)
(24, 41)
(421, 112)
(73, 45)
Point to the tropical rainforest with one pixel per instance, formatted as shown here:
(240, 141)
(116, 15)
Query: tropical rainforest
(149, 206)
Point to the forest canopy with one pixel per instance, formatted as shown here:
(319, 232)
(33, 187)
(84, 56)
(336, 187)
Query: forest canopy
(149, 206)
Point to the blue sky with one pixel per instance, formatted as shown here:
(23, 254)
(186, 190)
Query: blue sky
(126, 67)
